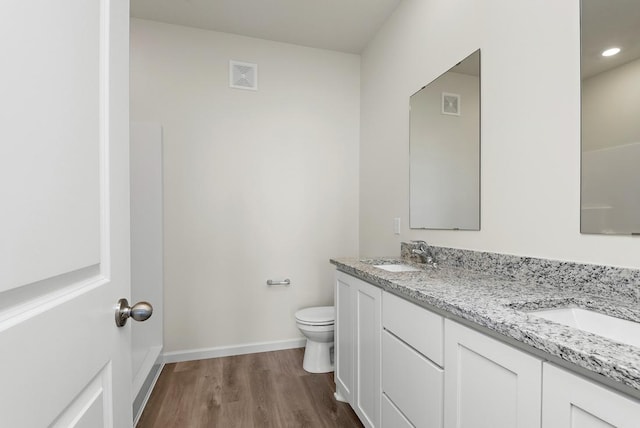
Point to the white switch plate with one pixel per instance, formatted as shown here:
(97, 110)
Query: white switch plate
(396, 225)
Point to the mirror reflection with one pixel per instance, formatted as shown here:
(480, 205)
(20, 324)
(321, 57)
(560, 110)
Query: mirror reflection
(445, 150)
(610, 77)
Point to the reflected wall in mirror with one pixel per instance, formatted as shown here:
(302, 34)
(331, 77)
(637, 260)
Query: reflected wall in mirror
(610, 195)
(444, 145)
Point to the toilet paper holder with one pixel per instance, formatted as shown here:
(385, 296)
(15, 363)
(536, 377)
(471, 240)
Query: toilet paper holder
(284, 283)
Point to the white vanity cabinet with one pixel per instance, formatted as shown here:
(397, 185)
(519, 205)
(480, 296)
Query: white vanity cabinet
(569, 400)
(357, 337)
(412, 356)
(400, 365)
(488, 384)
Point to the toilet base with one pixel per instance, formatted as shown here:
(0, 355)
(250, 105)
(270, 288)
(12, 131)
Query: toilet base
(318, 357)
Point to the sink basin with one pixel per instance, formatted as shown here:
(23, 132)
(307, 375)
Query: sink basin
(594, 322)
(398, 268)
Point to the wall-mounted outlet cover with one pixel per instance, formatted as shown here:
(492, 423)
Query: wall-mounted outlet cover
(396, 225)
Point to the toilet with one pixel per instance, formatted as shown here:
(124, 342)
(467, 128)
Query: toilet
(317, 325)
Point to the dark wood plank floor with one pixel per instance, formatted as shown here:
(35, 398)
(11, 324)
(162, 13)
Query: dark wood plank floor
(268, 389)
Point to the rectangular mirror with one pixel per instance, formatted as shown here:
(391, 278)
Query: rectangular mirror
(610, 84)
(444, 146)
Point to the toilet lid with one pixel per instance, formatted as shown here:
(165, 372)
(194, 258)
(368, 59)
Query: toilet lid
(319, 315)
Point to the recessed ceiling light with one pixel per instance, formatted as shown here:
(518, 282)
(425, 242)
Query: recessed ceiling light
(610, 52)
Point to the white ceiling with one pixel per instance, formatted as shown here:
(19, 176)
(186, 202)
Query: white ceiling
(606, 24)
(341, 25)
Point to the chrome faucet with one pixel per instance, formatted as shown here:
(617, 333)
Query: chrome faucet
(425, 253)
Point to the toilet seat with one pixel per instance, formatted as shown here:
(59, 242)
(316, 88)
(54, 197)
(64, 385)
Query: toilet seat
(316, 316)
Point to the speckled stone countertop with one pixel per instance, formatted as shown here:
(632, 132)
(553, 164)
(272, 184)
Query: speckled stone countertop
(479, 291)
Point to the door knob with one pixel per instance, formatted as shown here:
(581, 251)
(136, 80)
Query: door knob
(141, 311)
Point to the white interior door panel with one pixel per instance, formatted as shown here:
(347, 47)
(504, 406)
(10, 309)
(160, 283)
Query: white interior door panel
(64, 222)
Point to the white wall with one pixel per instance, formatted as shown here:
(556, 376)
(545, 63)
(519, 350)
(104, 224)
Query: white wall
(610, 176)
(611, 109)
(258, 185)
(147, 253)
(530, 161)
(611, 150)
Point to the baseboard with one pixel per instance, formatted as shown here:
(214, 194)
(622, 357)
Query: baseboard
(339, 394)
(340, 398)
(227, 351)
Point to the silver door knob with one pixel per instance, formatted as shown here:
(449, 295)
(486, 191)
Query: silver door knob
(141, 311)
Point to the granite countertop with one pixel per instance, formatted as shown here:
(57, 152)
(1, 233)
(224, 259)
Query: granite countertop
(499, 303)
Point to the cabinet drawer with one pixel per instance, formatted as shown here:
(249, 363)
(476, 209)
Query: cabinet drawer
(417, 326)
(391, 416)
(412, 382)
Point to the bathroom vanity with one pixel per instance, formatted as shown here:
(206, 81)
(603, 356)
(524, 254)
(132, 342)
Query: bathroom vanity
(462, 346)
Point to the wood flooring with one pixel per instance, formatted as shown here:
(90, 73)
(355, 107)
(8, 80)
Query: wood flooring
(263, 390)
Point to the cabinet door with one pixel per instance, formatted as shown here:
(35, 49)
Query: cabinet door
(569, 400)
(368, 309)
(344, 337)
(489, 384)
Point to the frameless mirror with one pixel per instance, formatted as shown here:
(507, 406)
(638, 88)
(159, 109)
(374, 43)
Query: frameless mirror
(610, 194)
(444, 145)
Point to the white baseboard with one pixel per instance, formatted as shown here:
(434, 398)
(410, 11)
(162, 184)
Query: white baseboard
(227, 351)
(339, 395)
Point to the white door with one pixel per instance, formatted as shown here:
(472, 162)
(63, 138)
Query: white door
(64, 214)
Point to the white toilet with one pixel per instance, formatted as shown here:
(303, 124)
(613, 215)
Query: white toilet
(317, 325)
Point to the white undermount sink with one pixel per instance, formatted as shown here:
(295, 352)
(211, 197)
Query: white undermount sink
(398, 268)
(594, 322)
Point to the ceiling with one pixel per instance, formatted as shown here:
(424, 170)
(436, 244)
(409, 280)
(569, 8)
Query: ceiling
(340, 25)
(606, 24)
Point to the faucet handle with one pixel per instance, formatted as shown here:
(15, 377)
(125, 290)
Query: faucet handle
(422, 245)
